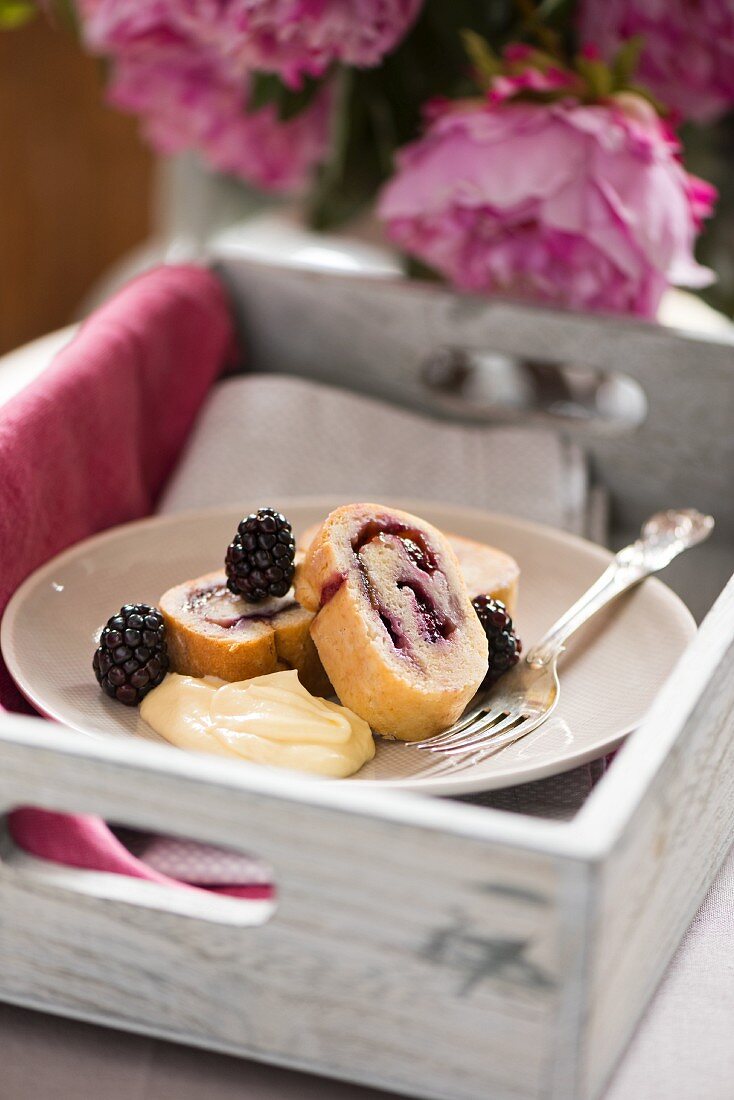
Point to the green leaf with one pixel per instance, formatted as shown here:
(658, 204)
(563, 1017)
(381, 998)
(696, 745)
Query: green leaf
(626, 61)
(267, 89)
(15, 13)
(293, 102)
(597, 75)
(541, 59)
(486, 64)
(553, 11)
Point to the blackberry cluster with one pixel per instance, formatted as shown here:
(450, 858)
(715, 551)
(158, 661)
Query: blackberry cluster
(132, 657)
(504, 645)
(260, 559)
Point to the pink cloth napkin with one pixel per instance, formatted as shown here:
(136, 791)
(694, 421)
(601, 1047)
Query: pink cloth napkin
(88, 445)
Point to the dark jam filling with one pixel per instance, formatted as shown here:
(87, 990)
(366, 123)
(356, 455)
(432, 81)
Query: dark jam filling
(331, 588)
(414, 541)
(397, 637)
(251, 617)
(432, 624)
(199, 600)
(435, 626)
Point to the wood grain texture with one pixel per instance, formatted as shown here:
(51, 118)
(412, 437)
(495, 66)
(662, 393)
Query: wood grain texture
(669, 804)
(74, 185)
(434, 948)
(438, 949)
(378, 335)
(402, 952)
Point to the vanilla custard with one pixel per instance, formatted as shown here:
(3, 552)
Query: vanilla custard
(269, 719)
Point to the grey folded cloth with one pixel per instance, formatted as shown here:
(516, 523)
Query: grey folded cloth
(286, 436)
(273, 435)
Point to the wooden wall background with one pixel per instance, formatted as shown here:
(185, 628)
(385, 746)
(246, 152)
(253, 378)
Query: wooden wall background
(75, 181)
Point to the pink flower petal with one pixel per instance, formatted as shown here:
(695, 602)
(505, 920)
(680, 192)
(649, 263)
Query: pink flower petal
(582, 206)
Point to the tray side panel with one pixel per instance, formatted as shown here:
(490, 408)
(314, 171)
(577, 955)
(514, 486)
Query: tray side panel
(672, 844)
(429, 963)
(376, 336)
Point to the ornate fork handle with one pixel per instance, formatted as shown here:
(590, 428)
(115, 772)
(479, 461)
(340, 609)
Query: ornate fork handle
(663, 537)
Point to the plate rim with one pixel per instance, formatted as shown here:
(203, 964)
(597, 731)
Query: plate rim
(438, 785)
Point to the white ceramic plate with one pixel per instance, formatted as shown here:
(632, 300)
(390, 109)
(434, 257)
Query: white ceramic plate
(609, 676)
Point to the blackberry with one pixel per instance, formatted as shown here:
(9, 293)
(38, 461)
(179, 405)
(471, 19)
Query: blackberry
(260, 558)
(132, 657)
(504, 645)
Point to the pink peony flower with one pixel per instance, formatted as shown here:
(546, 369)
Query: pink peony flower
(582, 206)
(186, 104)
(293, 38)
(117, 26)
(687, 57)
(171, 68)
(297, 38)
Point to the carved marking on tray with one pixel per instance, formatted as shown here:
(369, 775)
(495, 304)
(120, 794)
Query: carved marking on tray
(480, 958)
(515, 893)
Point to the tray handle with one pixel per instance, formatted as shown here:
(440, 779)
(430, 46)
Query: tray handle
(40, 874)
(147, 787)
(487, 386)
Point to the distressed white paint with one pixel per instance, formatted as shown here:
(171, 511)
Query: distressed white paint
(400, 951)
(669, 804)
(436, 948)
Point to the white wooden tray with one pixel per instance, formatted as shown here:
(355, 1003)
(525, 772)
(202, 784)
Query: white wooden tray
(431, 947)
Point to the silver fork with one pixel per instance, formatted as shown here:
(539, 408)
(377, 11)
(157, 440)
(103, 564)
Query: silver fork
(527, 695)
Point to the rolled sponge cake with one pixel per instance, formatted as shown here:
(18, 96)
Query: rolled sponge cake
(212, 632)
(393, 621)
(486, 570)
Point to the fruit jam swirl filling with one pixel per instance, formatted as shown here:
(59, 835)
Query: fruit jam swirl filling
(218, 606)
(419, 606)
(414, 541)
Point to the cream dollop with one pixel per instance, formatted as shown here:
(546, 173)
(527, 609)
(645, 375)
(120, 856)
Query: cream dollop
(269, 719)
